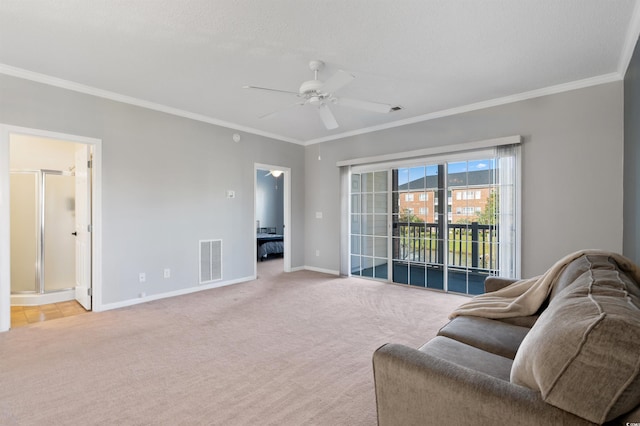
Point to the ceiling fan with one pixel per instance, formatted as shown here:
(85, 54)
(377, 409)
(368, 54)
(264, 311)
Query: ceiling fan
(321, 93)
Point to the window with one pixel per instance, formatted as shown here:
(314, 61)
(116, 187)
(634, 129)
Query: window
(368, 253)
(468, 195)
(459, 253)
(467, 211)
(468, 232)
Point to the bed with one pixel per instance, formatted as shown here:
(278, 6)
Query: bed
(269, 243)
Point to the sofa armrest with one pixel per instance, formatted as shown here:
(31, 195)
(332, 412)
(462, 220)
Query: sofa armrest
(416, 388)
(492, 284)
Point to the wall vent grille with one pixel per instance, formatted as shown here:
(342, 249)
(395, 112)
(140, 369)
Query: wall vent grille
(210, 261)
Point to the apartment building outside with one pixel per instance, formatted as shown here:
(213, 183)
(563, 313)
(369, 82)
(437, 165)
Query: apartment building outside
(467, 198)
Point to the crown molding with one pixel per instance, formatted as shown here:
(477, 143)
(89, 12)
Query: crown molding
(633, 31)
(551, 90)
(578, 84)
(93, 91)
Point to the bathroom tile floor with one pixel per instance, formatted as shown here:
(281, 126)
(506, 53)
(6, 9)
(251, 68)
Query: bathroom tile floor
(24, 315)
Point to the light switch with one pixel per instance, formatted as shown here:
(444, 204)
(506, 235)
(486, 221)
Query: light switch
(318, 215)
(231, 194)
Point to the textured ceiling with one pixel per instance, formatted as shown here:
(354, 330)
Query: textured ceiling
(192, 57)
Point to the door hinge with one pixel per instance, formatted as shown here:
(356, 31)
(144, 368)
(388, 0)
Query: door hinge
(89, 163)
(89, 228)
(89, 292)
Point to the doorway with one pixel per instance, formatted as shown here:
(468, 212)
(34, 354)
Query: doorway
(49, 190)
(272, 216)
(50, 187)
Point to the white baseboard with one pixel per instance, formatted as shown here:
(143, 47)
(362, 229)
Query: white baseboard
(149, 298)
(324, 271)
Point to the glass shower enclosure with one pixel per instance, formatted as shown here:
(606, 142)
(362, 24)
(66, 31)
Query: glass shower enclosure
(42, 232)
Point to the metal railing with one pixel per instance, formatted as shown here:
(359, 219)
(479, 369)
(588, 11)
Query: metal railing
(470, 245)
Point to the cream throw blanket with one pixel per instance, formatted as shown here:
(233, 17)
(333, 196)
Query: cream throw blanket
(525, 297)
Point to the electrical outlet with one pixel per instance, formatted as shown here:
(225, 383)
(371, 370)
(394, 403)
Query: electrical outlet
(317, 252)
(142, 277)
(167, 273)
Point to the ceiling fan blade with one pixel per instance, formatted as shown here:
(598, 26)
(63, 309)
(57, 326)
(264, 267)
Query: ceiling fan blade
(369, 106)
(337, 81)
(280, 110)
(327, 117)
(270, 90)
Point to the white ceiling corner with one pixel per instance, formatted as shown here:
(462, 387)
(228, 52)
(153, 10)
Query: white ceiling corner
(432, 57)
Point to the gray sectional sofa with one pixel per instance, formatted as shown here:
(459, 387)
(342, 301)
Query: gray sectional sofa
(575, 361)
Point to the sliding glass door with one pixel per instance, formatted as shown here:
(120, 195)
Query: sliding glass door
(369, 235)
(444, 223)
(418, 226)
(473, 218)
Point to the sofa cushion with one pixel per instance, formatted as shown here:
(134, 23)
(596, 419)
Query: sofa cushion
(571, 272)
(489, 335)
(468, 357)
(583, 353)
(526, 321)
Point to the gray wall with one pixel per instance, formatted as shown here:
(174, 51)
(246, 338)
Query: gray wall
(571, 178)
(631, 239)
(164, 183)
(270, 201)
(164, 179)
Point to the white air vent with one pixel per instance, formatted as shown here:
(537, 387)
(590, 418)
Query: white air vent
(210, 260)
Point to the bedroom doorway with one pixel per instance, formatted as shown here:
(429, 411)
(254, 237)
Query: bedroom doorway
(272, 216)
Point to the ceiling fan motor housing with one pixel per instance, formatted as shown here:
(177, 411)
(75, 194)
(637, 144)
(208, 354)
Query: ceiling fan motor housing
(311, 87)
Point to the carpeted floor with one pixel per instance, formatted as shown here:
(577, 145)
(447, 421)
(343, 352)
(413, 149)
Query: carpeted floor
(285, 349)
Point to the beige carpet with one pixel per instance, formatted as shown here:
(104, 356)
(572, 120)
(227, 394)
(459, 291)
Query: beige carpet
(285, 349)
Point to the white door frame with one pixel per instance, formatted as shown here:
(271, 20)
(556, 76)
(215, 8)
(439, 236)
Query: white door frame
(287, 213)
(82, 243)
(5, 243)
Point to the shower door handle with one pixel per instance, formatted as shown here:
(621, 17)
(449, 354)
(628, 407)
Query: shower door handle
(75, 234)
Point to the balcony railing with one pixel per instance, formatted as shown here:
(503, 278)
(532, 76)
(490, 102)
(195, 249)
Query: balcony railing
(469, 245)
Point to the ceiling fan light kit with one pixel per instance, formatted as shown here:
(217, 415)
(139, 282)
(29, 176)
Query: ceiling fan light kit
(320, 94)
(275, 173)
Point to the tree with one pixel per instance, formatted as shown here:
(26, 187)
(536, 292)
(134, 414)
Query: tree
(489, 215)
(407, 216)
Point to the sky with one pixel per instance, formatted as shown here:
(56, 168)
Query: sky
(410, 174)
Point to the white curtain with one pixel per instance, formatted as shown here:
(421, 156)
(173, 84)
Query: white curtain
(508, 158)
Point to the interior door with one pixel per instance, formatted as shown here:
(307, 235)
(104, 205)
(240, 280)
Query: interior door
(83, 226)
